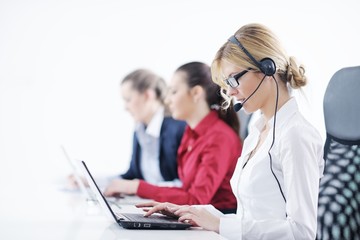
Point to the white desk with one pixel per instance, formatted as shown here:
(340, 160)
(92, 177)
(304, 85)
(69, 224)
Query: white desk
(52, 214)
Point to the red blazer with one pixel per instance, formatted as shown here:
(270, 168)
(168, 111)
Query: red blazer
(207, 157)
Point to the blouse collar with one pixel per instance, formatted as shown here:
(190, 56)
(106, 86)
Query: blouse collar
(204, 124)
(282, 116)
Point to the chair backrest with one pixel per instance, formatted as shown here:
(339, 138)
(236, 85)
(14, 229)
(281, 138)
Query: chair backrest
(339, 197)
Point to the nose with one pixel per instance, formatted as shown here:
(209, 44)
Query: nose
(231, 91)
(167, 99)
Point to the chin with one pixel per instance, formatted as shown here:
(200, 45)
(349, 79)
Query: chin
(249, 110)
(176, 116)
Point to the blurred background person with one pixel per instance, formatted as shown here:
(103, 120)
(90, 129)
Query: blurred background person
(157, 135)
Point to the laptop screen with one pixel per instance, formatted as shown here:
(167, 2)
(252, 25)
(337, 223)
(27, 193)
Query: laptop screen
(100, 197)
(133, 220)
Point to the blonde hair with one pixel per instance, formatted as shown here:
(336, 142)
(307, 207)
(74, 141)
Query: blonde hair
(261, 43)
(144, 79)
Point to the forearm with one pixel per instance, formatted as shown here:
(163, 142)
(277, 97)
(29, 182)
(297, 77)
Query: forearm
(166, 194)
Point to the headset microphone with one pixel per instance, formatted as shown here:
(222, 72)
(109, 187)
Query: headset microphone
(239, 105)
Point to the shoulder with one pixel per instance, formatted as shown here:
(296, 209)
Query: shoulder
(300, 145)
(171, 125)
(297, 135)
(169, 121)
(298, 127)
(222, 132)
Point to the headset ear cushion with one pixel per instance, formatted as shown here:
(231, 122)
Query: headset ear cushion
(268, 66)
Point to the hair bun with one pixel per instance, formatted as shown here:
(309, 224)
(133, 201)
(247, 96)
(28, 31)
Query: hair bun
(295, 74)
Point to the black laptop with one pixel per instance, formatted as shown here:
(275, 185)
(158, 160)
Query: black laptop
(133, 220)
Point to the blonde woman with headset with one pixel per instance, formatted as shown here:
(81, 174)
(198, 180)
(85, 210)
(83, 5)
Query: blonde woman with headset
(276, 180)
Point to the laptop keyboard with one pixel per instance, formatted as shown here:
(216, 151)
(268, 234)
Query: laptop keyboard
(153, 218)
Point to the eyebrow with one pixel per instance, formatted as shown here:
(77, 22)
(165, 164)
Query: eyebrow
(230, 75)
(248, 69)
(234, 73)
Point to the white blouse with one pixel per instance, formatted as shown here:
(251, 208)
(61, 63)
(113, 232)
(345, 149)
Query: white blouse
(297, 161)
(149, 140)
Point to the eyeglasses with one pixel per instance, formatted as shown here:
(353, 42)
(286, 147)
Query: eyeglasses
(233, 81)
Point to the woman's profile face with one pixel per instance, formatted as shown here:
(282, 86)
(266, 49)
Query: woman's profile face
(247, 85)
(179, 99)
(134, 101)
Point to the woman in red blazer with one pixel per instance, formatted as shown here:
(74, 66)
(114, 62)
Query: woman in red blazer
(209, 148)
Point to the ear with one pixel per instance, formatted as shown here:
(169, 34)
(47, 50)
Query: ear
(197, 92)
(150, 94)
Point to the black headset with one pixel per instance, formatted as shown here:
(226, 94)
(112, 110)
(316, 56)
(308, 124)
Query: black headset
(266, 65)
(268, 68)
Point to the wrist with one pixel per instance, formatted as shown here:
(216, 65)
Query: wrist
(135, 188)
(217, 225)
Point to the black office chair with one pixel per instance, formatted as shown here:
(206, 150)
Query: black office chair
(339, 197)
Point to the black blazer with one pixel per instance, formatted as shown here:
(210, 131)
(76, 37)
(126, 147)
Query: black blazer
(171, 133)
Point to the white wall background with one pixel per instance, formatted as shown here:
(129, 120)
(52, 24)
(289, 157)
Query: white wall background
(61, 63)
